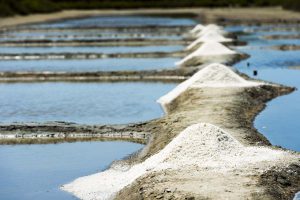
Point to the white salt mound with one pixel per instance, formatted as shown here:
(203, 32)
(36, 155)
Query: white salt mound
(197, 28)
(200, 30)
(213, 26)
(208, 49)
(218, 75)
(205, 31)
(202, 145)
(208, 28)
(211, 36)
(213, 75)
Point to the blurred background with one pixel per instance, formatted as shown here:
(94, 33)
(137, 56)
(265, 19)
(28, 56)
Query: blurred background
(23, 7)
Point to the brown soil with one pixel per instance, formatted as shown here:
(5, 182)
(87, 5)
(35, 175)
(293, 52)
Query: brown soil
(287, 47)
(172, 75)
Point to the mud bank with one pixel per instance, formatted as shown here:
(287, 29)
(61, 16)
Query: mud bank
(100, 42)
(104, 42)
(78, 56)
(294, 67)
(279, 37)
(53, 132)
(174, 75)
(287, 47)
(149, 29)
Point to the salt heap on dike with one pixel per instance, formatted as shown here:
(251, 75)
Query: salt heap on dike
(210, 28)
(185, 153)
(213, 75)
(197, 29)
(210, 36)
(208, 49)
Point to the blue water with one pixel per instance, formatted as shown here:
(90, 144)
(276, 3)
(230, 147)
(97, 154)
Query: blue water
(255, 35)
(106, 64)
(88, 103)
(87, 49)
(279, 122)
(35, 172)
(118, 21)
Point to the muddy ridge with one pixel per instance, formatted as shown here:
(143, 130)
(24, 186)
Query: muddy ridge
(172, 75)
(53, 132)
(61, 56)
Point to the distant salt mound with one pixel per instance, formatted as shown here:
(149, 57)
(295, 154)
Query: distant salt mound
(213, 75)
(210, 36)
(200, 30)
(208, 49)
(197, 28)
(210, 28)
(219, 31)
(218, 75)
(201, 145)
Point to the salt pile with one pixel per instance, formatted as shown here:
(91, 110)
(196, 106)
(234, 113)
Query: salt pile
(218, 75)
(197, 28)
(208, 49)
(205, 31)
(209, 28)
(210, 36)
(202, 145)
(213, 75)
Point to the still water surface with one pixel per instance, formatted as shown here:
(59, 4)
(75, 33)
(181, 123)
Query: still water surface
(35, 172)
(87, 103)
(87, 49)
(93, 65)
(279, 122)
(118, 21)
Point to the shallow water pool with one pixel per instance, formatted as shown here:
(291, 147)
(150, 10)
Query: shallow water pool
(86, 49)
(93, 65)
(35, 172)
(87, 103)
(279, 122)
(118, 21)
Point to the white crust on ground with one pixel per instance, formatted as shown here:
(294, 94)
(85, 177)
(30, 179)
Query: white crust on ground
(213, 75)
(202, 145)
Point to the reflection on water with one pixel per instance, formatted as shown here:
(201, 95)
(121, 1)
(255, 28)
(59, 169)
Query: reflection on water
(279, 122)
(89, 103)
(93, 65)
(35, 172)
